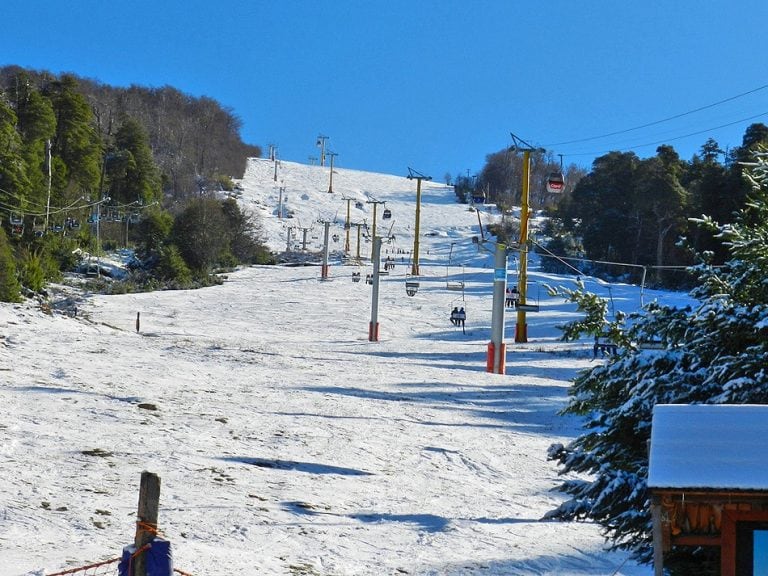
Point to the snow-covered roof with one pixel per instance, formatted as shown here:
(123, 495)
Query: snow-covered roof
(709, 447)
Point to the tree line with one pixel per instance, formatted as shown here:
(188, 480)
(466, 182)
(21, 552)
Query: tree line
(85, 165)
(640, 213)
(711, 352)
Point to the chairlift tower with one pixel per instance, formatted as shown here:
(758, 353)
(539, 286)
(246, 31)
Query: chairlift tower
(358, 225)
(321, 144)
(280, 203)
(521, 329)
(347, 225)
(373, 325)
(290, 230)
(330, 180)
(304, 240)
(327, 225)
(414, 175)
(375, 205)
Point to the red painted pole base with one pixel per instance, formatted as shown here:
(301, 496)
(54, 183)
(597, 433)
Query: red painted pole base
(373, 332)
(490, 357)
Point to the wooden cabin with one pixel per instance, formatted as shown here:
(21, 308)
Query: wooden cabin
(708, 480)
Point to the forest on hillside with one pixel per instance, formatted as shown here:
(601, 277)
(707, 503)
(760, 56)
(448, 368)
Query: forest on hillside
(627, 216)
(84, 165)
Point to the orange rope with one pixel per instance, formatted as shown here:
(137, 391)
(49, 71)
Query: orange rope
(141, 550)
(148, 527)
(83, 568)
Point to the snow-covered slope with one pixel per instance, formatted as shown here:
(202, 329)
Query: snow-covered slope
(287, 443)
(306, 201)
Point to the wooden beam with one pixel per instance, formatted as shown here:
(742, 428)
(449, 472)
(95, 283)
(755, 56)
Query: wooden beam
(658, 548)
(146, 524)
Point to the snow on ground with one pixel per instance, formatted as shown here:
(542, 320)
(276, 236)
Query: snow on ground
(287, 443)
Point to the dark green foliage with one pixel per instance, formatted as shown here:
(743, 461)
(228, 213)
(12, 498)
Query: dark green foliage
(634, 211)
(130, 145)
(76, 141)
(200, 232)
(131, 172)
(154, 230)
(32, 272)
(13, 172)
(60, 254)
(9, 283)
(464, 187)
(172, 269)
(212, 233)
(558, 248)
(714, 352)
(244, 235)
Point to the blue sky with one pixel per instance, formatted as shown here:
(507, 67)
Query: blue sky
(432, 85)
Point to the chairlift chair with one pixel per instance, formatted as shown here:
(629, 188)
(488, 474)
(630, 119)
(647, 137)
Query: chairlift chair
(478, 197)
(387, 214)
(411, 285)
(555, 182)
(528, 307)
(458, 303)
(355, 276)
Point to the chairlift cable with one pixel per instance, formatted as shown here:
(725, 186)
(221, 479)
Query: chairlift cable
(654, 123)
(667, 140)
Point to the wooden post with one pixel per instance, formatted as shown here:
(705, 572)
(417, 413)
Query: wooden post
(658, 547)
(146, 525)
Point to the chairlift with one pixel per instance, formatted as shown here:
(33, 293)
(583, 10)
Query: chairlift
(458, 313)
(355, 276)
(555, 182)
(359, 205)
(17, 224)
(455, 285)
(527, 307)
(411, 285)
(387, 214)
(478, 197)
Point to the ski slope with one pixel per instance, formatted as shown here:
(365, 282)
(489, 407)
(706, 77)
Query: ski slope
(287, 443)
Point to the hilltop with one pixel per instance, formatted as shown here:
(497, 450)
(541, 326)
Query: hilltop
(306, 200)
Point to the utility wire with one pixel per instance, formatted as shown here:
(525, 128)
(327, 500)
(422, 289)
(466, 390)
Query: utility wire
(676, 116)
(671, 139)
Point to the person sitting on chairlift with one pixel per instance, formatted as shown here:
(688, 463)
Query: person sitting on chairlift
(455, 316)
(513, 296)
(461, 317)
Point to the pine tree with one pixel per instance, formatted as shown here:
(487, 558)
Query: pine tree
(9, 283)
(714, 352)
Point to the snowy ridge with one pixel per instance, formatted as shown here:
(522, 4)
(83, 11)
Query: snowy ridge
(306, 198)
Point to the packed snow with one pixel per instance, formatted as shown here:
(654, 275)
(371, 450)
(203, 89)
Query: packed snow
(286, 442)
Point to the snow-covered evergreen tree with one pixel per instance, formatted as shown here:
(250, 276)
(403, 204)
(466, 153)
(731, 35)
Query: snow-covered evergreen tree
(713, 353)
